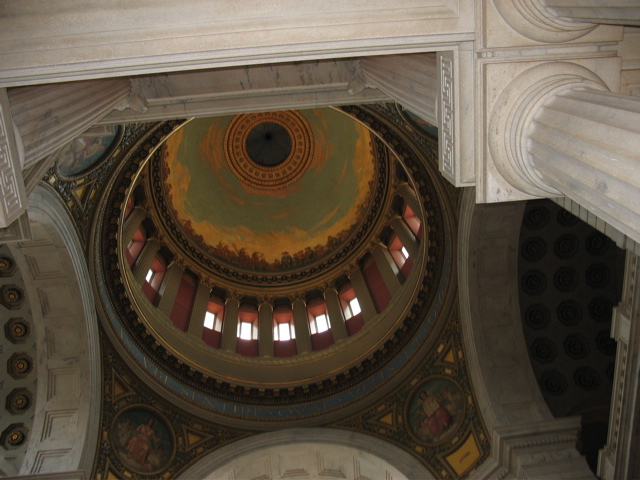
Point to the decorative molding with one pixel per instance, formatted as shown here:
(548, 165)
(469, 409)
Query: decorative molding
(446, 120)
(13, 196)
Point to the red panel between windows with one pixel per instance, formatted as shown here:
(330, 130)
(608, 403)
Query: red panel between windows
(376, 285)
(248, 348)
(322, 340)
(184, 301)
(286, 348)
(211, 337)
(354, 324)
(406, 268)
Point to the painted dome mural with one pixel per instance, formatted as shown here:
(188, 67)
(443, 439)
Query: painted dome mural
(235, 220)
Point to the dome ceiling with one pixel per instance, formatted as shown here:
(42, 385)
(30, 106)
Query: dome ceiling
(269, 191)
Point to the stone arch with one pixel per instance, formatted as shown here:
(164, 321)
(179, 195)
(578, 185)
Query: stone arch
(67, 409)
(312, 453)
(526, 440)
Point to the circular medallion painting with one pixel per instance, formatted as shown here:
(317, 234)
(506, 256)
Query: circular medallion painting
(142, 440)
(435, 410)
(83, 153)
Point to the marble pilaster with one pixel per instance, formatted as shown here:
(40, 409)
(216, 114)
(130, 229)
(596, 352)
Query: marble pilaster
(147, 255)
(388, 268)
(230, 325)
(169, 288)
(411, 80)
(131, 224)
(301, 324)
(265, 330)
(406, 236)
(367, 306)
(336, 317)
(50, 116)
(199, 310)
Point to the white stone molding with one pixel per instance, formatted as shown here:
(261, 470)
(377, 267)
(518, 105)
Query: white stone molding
(67, 416)
(13, 197)
(455, 112)
(77, 475)
(314, 453)
(136, 99)
(114, 40)
(620, 239)
(50, 116)
(252, 88)
(532, 19)
(618, 459)
(555, 120)
(526, 439)
(411, 80)
(18, 231)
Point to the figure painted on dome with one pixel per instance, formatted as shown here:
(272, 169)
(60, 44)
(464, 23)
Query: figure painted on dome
(142, 440)
(141, 443)
(437, 417)
(436, 409)
(85, 151)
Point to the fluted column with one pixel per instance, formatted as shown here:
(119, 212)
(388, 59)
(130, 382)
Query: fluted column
(364, 296)
(411, 80)
(566, 134)
(230, 325)
(301, 324)
(199, 310)
(143, 264)
(265, 330)
(131, 224)
(406, 236)
(388, 268)
(169, 288)
(409, 196)
(336, 317)
(50, 116)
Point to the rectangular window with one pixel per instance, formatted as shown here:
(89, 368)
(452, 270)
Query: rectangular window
(353, 308)
(404, 252)
(209, 320)
(149, 275)
(320, 323)
(245, 330)
(284, 332)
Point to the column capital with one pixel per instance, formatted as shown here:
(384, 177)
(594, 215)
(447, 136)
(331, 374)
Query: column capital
(513, 116)
(534, 20)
